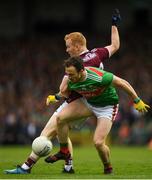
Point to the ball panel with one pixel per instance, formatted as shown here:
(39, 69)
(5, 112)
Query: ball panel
(41, 146)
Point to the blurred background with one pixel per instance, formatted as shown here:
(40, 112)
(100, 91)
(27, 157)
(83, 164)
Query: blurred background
(32, 51)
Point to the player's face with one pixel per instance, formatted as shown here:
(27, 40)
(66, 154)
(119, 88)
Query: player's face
(73, 74)
(71, 49)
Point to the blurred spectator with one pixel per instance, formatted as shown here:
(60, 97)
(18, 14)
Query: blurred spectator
(124, 133)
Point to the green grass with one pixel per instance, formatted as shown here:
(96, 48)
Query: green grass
(128, 163)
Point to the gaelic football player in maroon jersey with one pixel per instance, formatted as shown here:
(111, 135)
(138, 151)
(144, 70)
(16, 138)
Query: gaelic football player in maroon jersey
(76, 45)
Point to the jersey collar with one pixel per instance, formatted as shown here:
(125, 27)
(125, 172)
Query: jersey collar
(83, 52)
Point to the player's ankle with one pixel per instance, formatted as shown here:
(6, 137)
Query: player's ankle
(67, 167)
(25, 167)
(28, 164)
(69, 161)
(107, 165)
(108, 170)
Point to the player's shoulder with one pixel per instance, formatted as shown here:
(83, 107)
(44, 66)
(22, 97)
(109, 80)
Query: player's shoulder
(95, 70)
(88, 56)
(98, 49)
(94, 50)
(92, 53)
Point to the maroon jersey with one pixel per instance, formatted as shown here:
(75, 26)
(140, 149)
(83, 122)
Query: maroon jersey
(94, 58)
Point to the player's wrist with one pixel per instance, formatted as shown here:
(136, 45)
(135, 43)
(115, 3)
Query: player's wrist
(136, 100)
(57, 97)
(114, 21)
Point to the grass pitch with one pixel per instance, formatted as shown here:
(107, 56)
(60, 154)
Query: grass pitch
(128, 163)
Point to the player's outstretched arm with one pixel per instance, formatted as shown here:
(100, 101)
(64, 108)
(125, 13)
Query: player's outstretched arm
(139, 105)
(115, 39)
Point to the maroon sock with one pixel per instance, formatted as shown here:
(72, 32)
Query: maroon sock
(30, 162)
(68, 161)
(64, 148)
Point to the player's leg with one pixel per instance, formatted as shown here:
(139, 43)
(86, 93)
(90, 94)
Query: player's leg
(48, 131)
(75, 111)
(105, 117)
(101, 132)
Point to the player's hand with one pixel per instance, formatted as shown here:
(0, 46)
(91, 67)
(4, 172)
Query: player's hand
(141, 106)
(51, 99)
(116, 17)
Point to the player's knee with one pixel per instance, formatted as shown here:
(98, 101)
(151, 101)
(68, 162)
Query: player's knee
(59, 120)
(99, 143)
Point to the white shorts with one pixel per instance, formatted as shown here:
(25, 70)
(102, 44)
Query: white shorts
(109, 112)
(59, 109)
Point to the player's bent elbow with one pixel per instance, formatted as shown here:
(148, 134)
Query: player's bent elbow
(116, 47)
(113, 48)
(64, 93)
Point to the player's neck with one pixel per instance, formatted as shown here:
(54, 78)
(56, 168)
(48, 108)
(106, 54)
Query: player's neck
(83, 50)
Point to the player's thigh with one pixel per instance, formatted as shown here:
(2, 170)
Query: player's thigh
(74, 110)
(50, 128)
(102, 130)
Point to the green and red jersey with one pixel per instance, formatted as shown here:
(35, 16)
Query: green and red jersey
(96, 88)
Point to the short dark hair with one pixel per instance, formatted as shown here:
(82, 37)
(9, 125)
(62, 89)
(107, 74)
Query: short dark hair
(77, 62)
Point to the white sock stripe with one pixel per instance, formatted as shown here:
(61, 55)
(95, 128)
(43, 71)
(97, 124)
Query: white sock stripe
(25, 166)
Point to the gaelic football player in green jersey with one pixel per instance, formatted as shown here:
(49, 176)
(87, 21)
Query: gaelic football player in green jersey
(100, 98)
(76, 45)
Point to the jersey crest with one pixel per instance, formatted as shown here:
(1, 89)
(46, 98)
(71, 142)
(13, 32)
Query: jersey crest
(89, 56)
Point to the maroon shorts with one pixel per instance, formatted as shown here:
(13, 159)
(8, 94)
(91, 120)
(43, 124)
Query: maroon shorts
(73, 96)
